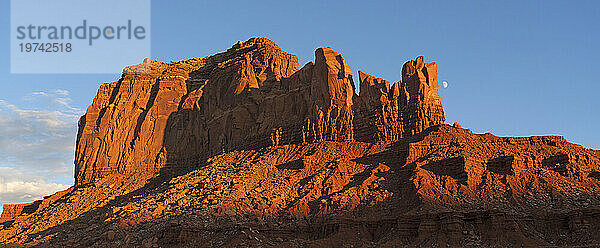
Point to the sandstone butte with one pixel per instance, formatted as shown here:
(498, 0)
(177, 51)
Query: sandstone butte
(242, 149)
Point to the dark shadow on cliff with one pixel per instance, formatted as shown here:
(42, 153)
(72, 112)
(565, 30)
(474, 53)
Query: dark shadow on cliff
(451, 167)
(142, 116)
(184, 148)
(502, 165)
(558, 162)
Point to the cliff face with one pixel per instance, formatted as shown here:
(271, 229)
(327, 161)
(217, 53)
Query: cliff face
(242, 148)
(402, 110)
(17, 212)
(171, 116)
(191, 109)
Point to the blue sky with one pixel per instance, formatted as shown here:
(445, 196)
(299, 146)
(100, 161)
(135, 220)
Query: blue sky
(514, 68)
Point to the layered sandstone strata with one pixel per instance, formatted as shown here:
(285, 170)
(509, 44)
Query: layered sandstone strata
(171, 116)
(12, 212)
(445, 185)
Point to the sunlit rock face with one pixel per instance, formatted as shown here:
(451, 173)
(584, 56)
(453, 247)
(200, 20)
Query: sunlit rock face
(174, 115)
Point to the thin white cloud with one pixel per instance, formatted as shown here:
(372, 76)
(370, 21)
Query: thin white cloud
(56, 99)
(37, 146)
(18, 187)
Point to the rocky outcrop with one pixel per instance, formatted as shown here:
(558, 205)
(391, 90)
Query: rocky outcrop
(377, 110)
(420, 101)
(185, 110)
(242, 148)
(402, 110)
(16, 212)
(11, 211)
(169, 117)
(445, 185)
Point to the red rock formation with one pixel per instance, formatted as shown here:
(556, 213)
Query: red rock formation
(377, 110)
(18, 212)
(243, 149)
(405, 109)
(11, 211)
(173, 115)
(192, 109)
(422, 106)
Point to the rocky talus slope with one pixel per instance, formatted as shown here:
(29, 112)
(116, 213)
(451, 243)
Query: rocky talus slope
(243, 149)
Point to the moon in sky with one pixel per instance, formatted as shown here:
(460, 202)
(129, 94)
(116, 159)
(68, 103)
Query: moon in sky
(445, 84)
